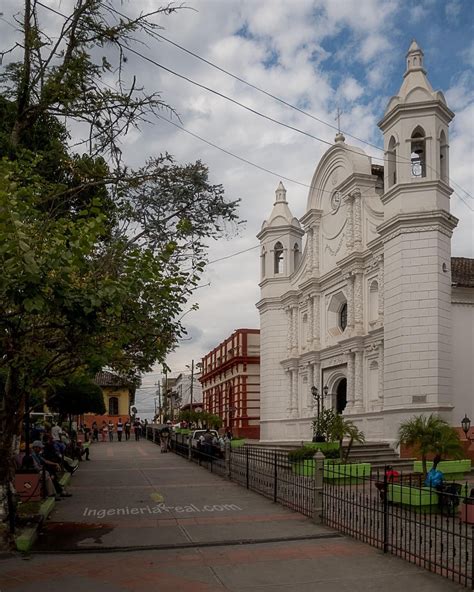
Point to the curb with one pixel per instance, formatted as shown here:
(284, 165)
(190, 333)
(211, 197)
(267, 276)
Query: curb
(27, 536)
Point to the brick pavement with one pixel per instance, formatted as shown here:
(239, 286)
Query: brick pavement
(136, 476)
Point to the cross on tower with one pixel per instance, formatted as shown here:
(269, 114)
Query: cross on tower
(338, 119)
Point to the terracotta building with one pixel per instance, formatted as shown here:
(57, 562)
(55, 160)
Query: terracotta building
(231, 382)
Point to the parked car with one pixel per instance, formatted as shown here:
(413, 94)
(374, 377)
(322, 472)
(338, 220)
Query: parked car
(197, 434)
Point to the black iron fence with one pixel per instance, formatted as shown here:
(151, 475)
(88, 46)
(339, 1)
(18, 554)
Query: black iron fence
(393, 512)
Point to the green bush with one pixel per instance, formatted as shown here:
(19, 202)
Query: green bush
(303, 453)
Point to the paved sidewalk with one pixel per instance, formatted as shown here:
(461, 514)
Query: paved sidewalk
(197, 532)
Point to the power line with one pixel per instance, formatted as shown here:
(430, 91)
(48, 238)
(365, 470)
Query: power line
(254, 111)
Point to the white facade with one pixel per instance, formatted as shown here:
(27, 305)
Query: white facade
(184, 392)
(368, 308)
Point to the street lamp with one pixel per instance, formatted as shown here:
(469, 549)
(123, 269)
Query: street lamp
(466, 426)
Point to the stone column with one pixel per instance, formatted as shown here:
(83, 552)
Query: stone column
(310, 335)
(350, 301)
(294, 345)
(381, 286)
(316, 321)
(359, 380)
(350, 222)
(310, 233)
(289, 331)
(381, 361)
(350, 381)
(358, 300)
(316, 233)
(357, 220)
(294, 380)
(289, 377)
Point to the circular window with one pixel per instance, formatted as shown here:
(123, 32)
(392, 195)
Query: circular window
(343, 316)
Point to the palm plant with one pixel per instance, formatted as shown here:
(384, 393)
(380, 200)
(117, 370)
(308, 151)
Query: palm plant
(430, 435)
(341, 429)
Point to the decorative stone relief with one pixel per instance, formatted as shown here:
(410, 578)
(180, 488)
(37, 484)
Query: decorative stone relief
(310, 321)
(350, 299)
(358, 303)
(350, 381)
(316, 237)
(289, 332)
(335, 361)
(349, 224)
(335, 251)
(357, 220)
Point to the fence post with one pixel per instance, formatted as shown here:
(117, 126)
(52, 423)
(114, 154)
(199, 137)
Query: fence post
(227, 453)
(247, 464)
(190, 447)
(318, 487)
(385, 511)
(275, 477)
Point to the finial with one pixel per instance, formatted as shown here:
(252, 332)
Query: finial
(414, 58)
(280, 192)
(340, 138)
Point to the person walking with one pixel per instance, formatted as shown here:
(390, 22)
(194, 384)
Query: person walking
(105, 431)
(128, 427)
(119, 429)
(165, 437)
(111, 431)
(95, 432)
(137, 428)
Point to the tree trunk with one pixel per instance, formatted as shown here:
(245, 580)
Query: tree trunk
(425, 468)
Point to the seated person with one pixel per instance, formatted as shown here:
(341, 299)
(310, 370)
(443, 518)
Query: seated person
(435, 478)
(52, 468)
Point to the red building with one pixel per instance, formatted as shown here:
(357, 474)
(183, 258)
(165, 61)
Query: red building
(231, 382)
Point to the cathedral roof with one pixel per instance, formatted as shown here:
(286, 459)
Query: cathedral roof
(462, 272)
(281, 214)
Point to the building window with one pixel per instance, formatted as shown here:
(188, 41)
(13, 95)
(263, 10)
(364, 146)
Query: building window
(373, 301)
(278, 258)
(392, 162)
(418, 153)
(113, 406)
(343, 316)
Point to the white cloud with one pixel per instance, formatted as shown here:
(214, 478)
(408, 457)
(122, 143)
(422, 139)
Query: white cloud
(350, 89)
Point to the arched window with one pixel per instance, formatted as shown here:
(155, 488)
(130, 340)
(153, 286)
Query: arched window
(262, 263)
(343, 316)
(392, 162)
(113, 406)
(296, 256)
(305, 329)
(418, 153)
(373, 301)
(278, 258)
(443, 157)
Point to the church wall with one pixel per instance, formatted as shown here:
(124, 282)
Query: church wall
(417, 320)
(463, 360)
(274, 381)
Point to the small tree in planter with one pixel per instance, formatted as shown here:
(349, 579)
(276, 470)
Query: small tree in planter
(341, 429)
(430, 435)
(322, 426)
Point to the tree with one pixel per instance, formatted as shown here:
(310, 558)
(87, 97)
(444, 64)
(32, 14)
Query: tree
(77, 396)
(98, 260)
(342, 429)
(430, 435)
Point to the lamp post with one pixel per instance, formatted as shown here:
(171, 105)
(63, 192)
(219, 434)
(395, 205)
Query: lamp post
(319, 400)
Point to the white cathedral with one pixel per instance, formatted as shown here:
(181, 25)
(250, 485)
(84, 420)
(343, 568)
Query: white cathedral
(373, 312)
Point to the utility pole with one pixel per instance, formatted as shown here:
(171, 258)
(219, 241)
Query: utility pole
(192, 385)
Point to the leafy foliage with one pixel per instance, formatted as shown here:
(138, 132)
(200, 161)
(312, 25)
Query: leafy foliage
(77, 396)
(430, 435)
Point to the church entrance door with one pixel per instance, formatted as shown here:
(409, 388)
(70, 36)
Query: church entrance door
(341, 396)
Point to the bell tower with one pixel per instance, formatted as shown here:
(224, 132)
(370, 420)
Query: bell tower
(416, 233)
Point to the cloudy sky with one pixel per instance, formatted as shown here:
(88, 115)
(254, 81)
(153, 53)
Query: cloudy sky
(318, 55)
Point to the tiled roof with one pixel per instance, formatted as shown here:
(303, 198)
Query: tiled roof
(105, 378)
(462, 272)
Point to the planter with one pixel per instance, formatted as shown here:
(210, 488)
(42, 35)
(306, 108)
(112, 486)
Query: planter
(351, 473)
(451, 469)
(303, 468)
(422, 498)
(323, 446)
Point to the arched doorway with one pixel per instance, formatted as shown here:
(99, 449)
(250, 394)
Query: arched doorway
(341, 396)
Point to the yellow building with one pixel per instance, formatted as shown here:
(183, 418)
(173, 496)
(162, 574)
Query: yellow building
(118, 395)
